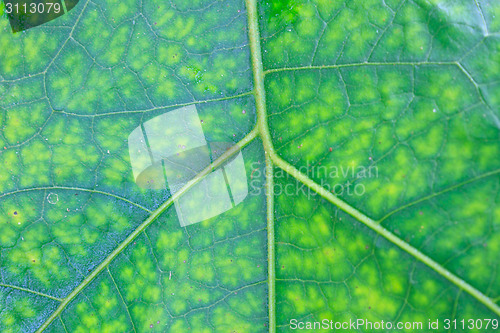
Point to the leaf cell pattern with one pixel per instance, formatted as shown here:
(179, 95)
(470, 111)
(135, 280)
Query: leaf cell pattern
(308, 90)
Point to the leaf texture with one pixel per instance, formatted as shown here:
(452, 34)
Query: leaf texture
(370, 137)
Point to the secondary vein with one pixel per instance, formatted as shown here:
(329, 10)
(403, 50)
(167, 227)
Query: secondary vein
(30, 291)
(159, 107)
(359, 64)
(75, 189)
(461, 284)
(154, 215)
(428, 197)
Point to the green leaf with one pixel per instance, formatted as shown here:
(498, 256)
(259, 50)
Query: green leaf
(370, 137)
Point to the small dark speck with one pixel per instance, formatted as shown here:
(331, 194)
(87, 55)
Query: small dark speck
(15, 213)
(369, 307)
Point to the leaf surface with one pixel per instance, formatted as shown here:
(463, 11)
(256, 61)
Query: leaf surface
(370, 137)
